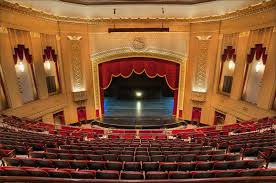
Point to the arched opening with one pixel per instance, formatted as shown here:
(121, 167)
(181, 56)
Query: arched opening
(147, 68)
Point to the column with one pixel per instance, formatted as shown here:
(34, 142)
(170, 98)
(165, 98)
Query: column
(38, 65)
(239, 75)
(267, 92)
(9, 76)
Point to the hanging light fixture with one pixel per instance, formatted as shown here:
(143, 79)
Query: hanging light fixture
(231, 64)
(47, 65)
(259, 66)
(20, 66)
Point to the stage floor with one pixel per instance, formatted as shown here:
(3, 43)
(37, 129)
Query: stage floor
(153, 113)
(147, 108)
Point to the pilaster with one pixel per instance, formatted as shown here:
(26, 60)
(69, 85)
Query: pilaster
(8, 68)
(267, 91)
(38, 65)
(239, 73)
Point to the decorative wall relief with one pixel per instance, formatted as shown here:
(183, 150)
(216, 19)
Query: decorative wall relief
(77, 75)
(200, 79)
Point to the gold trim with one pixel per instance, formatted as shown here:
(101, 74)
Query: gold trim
(127, 52)
(253, 9)
(3, 30)
(244, 34)
(35, 34)
(204, 37)
(74, 38)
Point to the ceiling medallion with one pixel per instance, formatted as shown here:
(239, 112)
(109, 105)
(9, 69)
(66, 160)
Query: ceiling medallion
(139, 43)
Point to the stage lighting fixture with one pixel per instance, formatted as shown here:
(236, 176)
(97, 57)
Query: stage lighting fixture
(138, 94)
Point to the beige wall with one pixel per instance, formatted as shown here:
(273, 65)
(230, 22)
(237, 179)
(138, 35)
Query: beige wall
(184, 38)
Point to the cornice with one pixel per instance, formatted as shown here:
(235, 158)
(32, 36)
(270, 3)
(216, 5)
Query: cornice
(130, 52)
(251, 10)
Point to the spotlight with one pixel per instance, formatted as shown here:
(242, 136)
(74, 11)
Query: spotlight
(138, 94)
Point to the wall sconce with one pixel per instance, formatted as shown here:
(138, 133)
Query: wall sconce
(259, 66)
(47, 65)
(231, 65)
(20, 66)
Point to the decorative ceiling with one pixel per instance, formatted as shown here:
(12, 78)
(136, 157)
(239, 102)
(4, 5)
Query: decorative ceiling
(112, 2)
(166, 10)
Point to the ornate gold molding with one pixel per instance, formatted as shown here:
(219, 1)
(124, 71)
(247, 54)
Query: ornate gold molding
(79, 96)
(125, 52)
(204, 37)
(274, 29)
(35, 34)
(200, 76)
(198, 96)
(57, 37)
(253, 9)
(76, 66)
(74, 38)
(244, 34)
(3, 30)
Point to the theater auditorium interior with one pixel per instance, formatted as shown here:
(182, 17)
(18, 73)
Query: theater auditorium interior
(147, 91)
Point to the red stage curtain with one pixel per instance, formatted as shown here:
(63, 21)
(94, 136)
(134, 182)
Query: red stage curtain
(151, 66)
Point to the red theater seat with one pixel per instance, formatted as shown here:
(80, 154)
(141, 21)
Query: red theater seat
(226, 173)
(187, 166)
(11, 161)
(203, 174)
(81, 164)
(156, 175)
(83, 174)
(158, 158)
(61, 164)
(150, 166)
(59, 174)
(132, 175)
(179, 175)
(114, 165)
(132, 166)
(168, 166)
(107, 174)
(36, 172)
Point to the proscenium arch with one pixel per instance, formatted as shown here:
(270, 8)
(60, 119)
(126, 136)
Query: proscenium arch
(120, 53)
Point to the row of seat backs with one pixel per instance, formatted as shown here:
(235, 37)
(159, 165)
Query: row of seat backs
(138, 157)
(131, 175)
(146, 166)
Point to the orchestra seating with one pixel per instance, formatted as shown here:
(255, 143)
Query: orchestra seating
(239, 152)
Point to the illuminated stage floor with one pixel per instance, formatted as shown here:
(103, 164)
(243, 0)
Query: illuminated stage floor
(154, 113)
(162, 107)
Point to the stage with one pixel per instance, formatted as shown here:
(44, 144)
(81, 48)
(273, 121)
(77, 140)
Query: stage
(138, 114)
